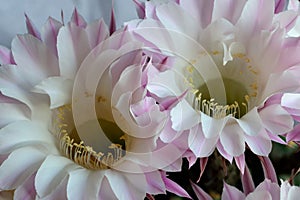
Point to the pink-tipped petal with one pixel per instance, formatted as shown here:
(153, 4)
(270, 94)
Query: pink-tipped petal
(17, 167)
(231, 193)
(5, 56)
(240, 162)
(280, 5)
(27, 190)
(49, 34)
(259, 144)
(247, 181)
(97, 32)
(268, 168)
(173, 187)
(31, 28)
(200, 193)
(78, 20)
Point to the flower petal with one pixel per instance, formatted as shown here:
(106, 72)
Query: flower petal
(5, 56)
(173, 187)
(73, 47)
(272, 188)
(212, 127)
(26, 191)
(11, 137)
(78, 188)
(51, 173)
(259, 144)
(228, 9)
(13, 112)
(31, 28)
(49, 34)
(265, 195)
(97, 32)
(232, 139)
(231, 193)
(276, 119)
(17, 167)
(294, 193)
(251, 122)
(183, 116)
(34, 56)
(123, 189)
(59, 90)
(200, 193)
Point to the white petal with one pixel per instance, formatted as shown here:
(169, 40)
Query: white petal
(251, 122)
(212, 127)
(59, 90)
(199, 144)
(83, 182)
(259, 144)
(18, 167)
(183, 116)
(106, 191)
(291, 100)
(73, 47)
(49, 34)
(26, 190)
(294, 193)
(97, 32)
(22, 133)
(51, 173)
(13, 112)
(259, 194)
(165, 84)
(168, 15)
(60, 192)
(228, 9)
(34, 56)
(276, 119)
(122, 188)
(232, 139)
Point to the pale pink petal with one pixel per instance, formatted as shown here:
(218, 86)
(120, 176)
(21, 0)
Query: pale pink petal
(59, 90)
(291, 100)
(272, 188)
(240, 162)
(212, 127)
(123, 189)
(259, 144)
(201, 10)
(78, 188)
(199, 144)
(97, 32)
(155, 183)
(200, 193)
(294, 193)
(286, 19)
(27, 190)
(289, 56)
(60, 192)
(276, 119)
(268, 168)
(247, 181)
(228, 9)
(140, 8)
(280, 5)
(276, 138)
(231, 193)
(203, 163)
(256, 15)
(5, 56)
(11, 137)
(168, 16)
(293, 5)
(265, 195)
(34, 56)
(173, 187)
(31, 28)
(17, 167)
(183, 116)
(13, 112)
(222, 151)
(251, 122)
(78, 20)
(73, 47)
(168, 134)
(105, 191)
(51, 173)
(232, 139)
(284, 189)
(49, 34)
(294, 135)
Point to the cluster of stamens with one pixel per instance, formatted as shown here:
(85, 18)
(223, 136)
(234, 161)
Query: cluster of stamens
(217, 111)
(79, 152)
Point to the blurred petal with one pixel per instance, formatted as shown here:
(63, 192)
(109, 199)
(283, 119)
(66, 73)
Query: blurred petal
(231, 193)
(201, 195)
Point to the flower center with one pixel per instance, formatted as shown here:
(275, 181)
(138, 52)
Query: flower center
(239, 79)
(74, 148)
